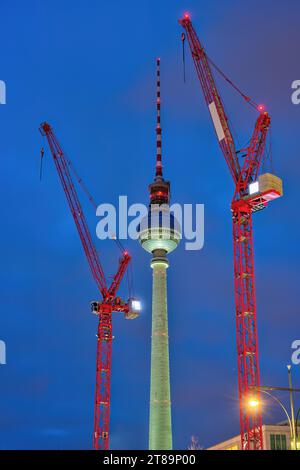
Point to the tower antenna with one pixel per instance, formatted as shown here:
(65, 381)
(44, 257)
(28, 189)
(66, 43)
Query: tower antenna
(158, 173)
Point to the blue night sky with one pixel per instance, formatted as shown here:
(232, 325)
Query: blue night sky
(89, 69)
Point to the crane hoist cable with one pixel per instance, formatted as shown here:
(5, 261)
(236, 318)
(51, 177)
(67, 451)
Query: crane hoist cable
(183, 54)
(41, 162)
(247, 99)
(92, 201)
(86, 191)
(90, 198)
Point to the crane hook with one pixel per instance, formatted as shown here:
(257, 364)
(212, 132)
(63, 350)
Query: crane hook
(183, 54)
(41, 162)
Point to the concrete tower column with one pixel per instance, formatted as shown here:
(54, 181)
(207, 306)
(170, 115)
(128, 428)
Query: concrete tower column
(160, 428)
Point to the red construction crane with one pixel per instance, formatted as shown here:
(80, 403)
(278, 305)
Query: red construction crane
(110, 302)
(252, 193)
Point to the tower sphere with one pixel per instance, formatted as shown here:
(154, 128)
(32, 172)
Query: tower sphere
(159, 230)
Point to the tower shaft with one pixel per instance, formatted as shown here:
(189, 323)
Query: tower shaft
(160, 428)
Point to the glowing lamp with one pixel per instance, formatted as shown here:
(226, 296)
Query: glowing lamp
(136, 305)
(253, 403)
(254, 188)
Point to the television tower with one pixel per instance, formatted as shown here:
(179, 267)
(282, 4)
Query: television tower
(159, 235)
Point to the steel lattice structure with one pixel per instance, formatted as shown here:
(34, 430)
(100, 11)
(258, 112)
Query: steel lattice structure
(110, 302)
(242, 207)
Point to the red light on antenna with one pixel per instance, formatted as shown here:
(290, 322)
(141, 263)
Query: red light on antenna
(261, 107)
(186, 16)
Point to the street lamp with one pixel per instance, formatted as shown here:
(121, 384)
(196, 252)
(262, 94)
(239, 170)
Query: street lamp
(297, 417)
(253, 402)
(293, 423)
(289, 367)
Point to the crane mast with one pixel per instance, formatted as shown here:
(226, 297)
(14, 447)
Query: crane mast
(254, 154)
(242, 206)
(104, 309)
